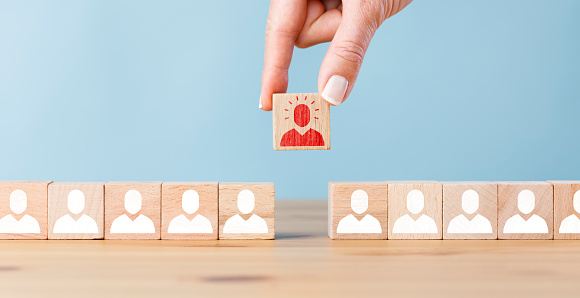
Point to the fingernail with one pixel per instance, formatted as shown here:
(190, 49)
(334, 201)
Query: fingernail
(260, 106)
(335, 90)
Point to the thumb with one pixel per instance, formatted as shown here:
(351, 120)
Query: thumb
(345, 54)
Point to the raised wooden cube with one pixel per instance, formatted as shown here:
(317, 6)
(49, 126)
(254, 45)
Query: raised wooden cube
(189, 210)
(23, 209)
(357, 210)
(415, 210)
(469, 210)
(525, 210)
(246, 211)
(301, 122)
(566, 209)
(76, 210)
(132, 210)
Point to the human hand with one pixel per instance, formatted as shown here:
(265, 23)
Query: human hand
(349, 24)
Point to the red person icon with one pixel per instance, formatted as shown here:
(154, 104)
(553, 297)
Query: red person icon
(302, 118)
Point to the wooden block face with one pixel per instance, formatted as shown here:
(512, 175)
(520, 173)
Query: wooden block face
(23, 209)
(301, 122)
(566, 209)
(415, 210)
(189, 210)
(76, 210)
(469, 210)
(525, 210)
(132, 210)
(246, 211)
(357, 210)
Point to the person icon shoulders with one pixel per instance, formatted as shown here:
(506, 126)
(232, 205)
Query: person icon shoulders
(255, 224)
(237, 224)
(406, 224)
(534, 224)
(571, 224)
(26, 224)
(350, 224)
(67, 224)
(181, 224)
(141, 224)
(461, 224)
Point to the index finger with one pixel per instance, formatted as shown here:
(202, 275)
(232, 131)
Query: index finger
(285, 20)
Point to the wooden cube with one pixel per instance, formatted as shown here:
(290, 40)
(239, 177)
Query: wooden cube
(132, 210)
(23, 209)
(469, 210)
(189, 210)
(76, 210)
(301, 122)
(525, 210)
(566, 209)
(415, 210)
(357, 210)
(246, 211)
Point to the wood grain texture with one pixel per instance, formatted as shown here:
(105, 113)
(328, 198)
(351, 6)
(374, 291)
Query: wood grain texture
(507, 204)
(452, 207)
(150, 207)
(94, 193)
(36, 206)
(300, 117)
(264, 194)
(302, 262)
(564, 192)
(433, 205)
(171, 207)
(339, 207)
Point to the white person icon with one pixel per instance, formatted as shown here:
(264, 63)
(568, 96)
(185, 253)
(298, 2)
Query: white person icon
(571, 224)
(141, 224)
(534, 224)
(406, 224)
(478, 224)
(26, 224)
(181, 224)
(359, 203)
(255, 224)
(67, 224)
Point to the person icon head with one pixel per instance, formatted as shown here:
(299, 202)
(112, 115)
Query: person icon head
(359, 201)
(246, 201)
(76, 201)
(526, 201)
(302, 115)
(190, 201)
(576, 201)
(18, 201)
(133, 201)
(470, 201)
(415, 201)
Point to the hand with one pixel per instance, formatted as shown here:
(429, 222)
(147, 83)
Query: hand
(349, 24)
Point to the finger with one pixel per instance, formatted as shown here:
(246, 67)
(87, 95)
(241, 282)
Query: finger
(320, 24)
(345, 54)
(285, 20)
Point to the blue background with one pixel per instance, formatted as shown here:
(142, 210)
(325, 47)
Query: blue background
(151, 90)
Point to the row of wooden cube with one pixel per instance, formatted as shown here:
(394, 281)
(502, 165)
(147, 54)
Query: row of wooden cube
(141, 210)
(389, 210)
